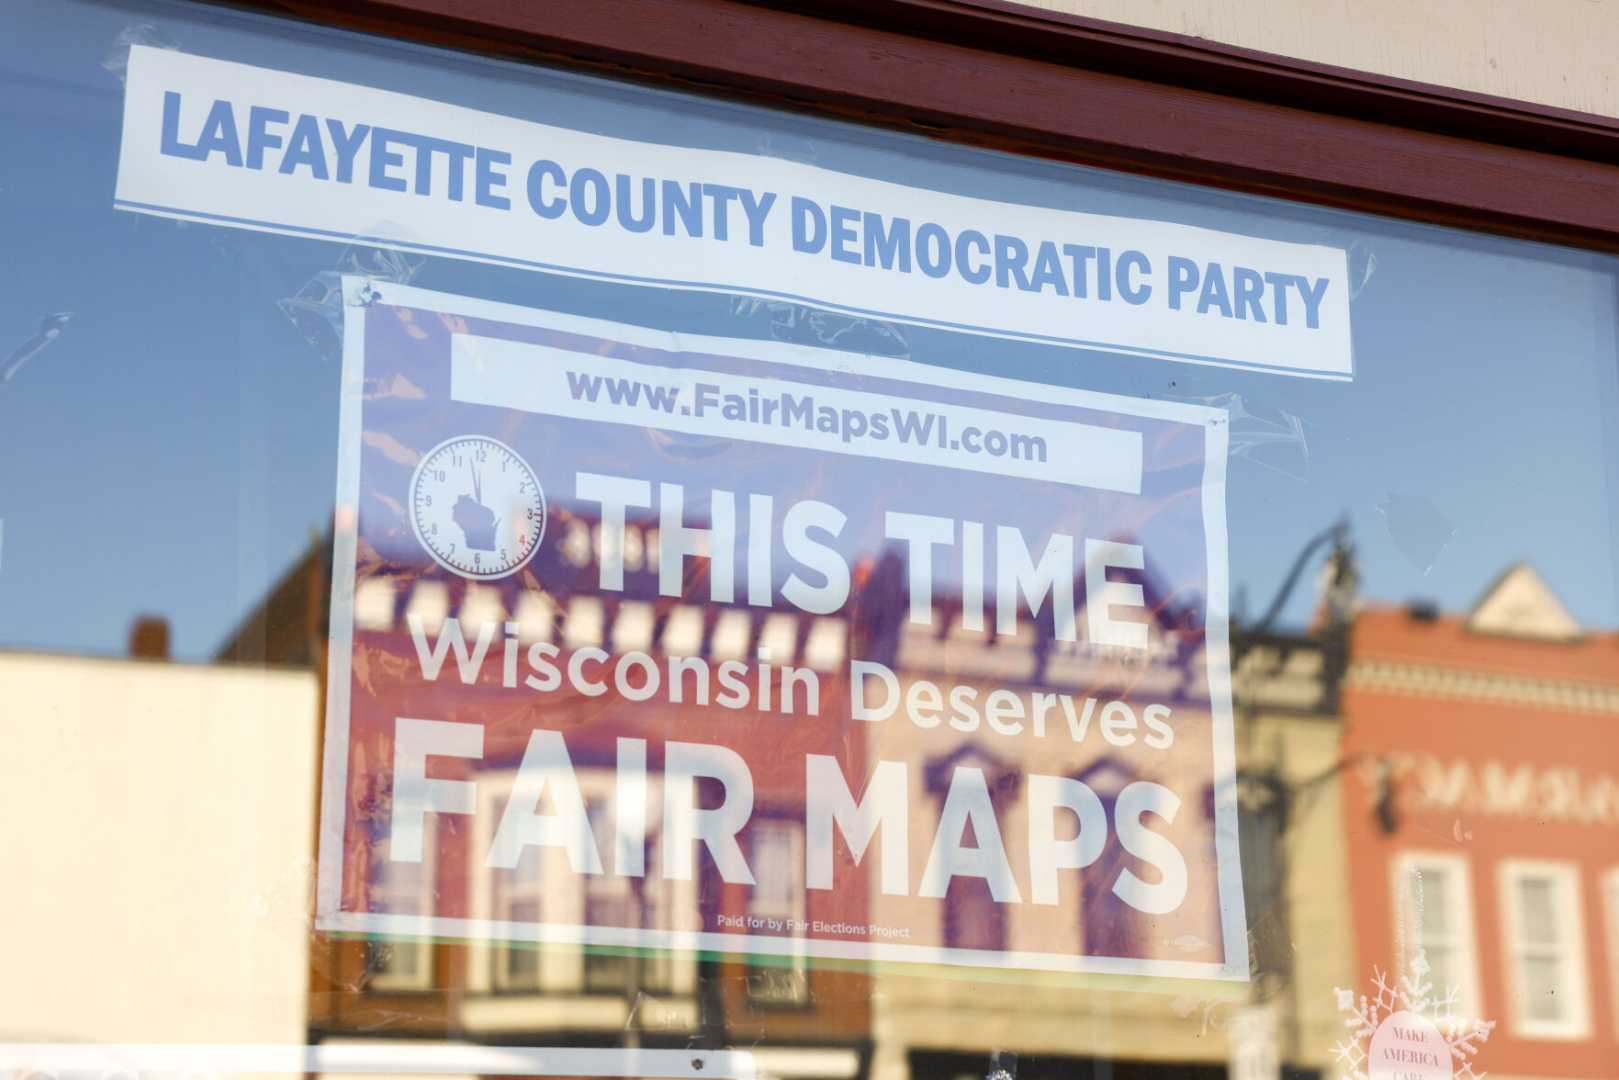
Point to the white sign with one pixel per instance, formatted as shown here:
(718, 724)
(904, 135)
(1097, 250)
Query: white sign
(249, 147)
(625, 504)
(547, 381)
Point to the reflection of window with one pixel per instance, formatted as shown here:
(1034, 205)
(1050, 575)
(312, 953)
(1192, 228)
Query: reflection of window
(517, 896)
(657, 900)
(608, 902)
(777, 858)
(1544, 948)
(635, 903)
(1107, 925)
(543, 888)
(1610, 898)
(972, 917)
(401, 888)
(1433, 909)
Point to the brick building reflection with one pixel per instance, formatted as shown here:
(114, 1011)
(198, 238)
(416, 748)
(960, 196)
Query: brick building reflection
(1407, 778)
(818, 1019)
(1482, 817)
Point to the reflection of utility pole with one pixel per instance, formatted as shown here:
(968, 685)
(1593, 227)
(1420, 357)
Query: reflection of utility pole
(1268, 791)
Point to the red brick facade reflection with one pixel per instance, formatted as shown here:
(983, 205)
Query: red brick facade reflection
(1483, 817)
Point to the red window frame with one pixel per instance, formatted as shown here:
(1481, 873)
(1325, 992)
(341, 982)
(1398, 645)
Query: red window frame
(992, 73)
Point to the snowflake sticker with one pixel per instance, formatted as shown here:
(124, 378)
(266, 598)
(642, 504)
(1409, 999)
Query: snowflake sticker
(1402, 1031)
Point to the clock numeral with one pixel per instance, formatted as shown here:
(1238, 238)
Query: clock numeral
(438, 474)
(427, 500)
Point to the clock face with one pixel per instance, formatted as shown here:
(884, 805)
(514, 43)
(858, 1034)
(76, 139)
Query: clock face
(477, 507)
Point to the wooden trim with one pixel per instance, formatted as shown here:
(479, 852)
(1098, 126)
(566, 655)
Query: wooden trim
(1201, 64)
(992, 73)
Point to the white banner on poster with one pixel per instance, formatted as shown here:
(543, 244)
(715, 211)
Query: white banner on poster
(250, 147)
(829, 419)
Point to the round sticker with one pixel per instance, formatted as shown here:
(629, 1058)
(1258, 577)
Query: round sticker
(477, 507)
(1407, 1046)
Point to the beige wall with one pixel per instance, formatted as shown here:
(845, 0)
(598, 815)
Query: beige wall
(1305, 753)
(1552, 52)
(157, 852)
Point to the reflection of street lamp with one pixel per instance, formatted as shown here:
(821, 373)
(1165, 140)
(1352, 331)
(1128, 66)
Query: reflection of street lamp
(1383, 806)
(1342, 579)
(1267, 798)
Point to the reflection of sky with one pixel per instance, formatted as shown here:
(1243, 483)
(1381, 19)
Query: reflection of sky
(174, 450)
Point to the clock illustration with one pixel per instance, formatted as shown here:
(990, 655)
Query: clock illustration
(477, 507)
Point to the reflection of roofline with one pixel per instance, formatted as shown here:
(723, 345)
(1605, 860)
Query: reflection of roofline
(1464, 621)
(1101, 763)
(939, 771)
(1496, 583)
(249, 640)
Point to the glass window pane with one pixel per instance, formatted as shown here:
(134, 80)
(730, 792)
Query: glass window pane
(1543, 982)
(1431, 894)
(1443, 969)
(945, 612)
(1537, 904)
(522, 966)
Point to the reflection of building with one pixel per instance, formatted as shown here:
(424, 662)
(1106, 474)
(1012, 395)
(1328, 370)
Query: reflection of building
(819, 1020)
(1287, 697)
(1483, 826)
(798, 1021)
(1479, 788)
(157, 827)
(950, 1025)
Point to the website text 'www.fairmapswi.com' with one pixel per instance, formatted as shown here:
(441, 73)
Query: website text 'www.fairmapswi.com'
(777, 409)
(788, 408)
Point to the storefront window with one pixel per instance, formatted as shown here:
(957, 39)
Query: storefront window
(507, 571)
